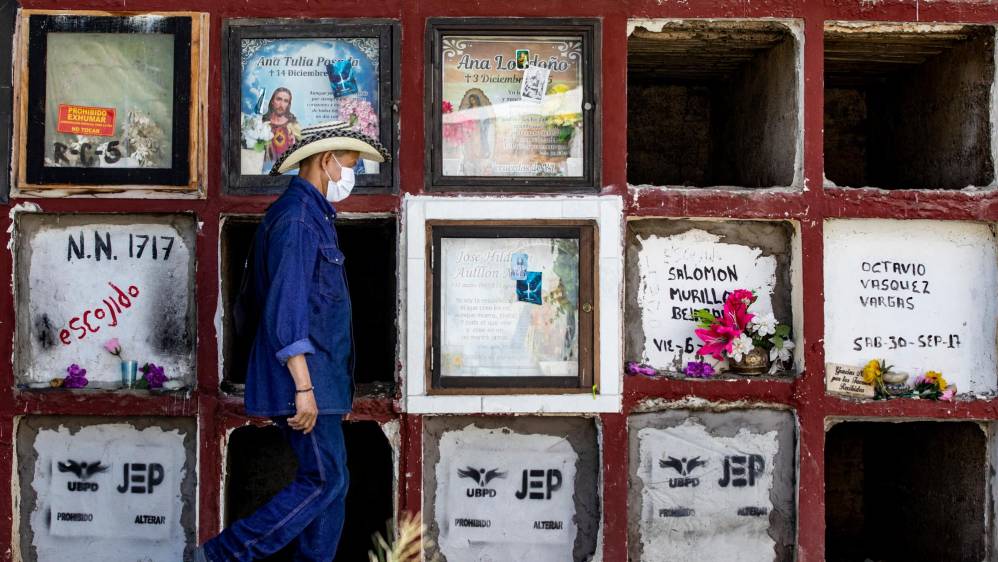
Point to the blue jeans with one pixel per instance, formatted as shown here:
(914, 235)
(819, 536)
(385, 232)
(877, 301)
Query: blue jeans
(309, 510)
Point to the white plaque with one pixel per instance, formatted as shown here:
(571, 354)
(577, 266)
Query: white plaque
(918, 294)
(685, 272)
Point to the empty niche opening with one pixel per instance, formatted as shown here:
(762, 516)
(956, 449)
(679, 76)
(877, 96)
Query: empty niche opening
(913, 491)
(908, 105)
(712, 103)
(260, 463)
(370, 249)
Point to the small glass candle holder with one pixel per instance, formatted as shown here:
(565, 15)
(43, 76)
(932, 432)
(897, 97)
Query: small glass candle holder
(129, 372)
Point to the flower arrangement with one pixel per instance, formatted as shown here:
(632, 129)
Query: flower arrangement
(699, 370)
(76, 377)
(255, 133)
(454, 132)
(153, 376)
(359, 115)
(735, 333)
(929, 386)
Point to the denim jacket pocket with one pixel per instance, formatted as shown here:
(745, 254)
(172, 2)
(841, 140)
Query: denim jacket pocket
(330, 272)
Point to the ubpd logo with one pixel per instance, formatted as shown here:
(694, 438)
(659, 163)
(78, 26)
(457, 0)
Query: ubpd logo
(482, 477)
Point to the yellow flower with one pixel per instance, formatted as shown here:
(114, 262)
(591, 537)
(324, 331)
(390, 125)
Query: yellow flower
(559, 89)
(872, 372)
(937, 379)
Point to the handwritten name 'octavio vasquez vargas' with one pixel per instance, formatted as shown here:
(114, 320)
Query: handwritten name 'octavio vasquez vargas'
(106, 314)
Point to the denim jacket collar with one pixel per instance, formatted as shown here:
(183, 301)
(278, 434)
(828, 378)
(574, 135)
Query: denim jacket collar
(308, 192)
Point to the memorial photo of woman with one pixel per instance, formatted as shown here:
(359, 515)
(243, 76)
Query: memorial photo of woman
(480, 139)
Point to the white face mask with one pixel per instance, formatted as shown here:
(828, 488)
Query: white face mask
(339, 190)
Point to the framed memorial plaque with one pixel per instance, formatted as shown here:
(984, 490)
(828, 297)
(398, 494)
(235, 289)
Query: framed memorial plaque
(512, 306)
(280, 77)
(512, 107)
(111, 100)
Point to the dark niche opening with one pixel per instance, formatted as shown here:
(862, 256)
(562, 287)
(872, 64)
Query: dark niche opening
(370, 248)
(911, 492)
(712, 104)
(260, 463)
(907, 108)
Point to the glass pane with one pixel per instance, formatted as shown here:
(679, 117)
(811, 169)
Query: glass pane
(113, 107)
(512, 106)
(509, 307)
(288, 84)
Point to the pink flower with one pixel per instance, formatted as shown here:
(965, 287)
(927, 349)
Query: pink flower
(717, 339)
(948, 394)
(736, 314)
(447, 106)
(113, 346)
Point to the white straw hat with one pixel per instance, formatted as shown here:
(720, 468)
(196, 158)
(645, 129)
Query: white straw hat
(333, 135)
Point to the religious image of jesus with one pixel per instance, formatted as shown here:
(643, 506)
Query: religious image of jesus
(283, 124)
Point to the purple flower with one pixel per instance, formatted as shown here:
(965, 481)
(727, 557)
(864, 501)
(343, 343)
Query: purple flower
(75, 377)
(699, 370)
(154, 375)
(635, 368)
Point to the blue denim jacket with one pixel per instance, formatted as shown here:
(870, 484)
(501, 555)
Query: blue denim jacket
(300, 278)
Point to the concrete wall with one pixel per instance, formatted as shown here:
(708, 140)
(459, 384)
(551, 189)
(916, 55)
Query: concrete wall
(511, 446)
(693, 510)
(47, 527)
(755, 126)
(932, 125)
(845, 136)
(668, 134)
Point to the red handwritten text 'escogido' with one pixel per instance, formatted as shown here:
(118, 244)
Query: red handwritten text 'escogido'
(110, 308)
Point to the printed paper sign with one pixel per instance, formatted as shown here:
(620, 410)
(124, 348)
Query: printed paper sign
(703, 493)
(535, 83)
(129, 492)
(87, 121)
(522, 497)
(847, 380)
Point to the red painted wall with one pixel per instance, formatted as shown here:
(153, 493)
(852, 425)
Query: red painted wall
(810, 207)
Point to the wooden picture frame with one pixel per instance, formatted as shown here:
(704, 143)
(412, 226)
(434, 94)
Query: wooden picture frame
(185, 160)
(336, 33)
(587, 55)
(580, 320)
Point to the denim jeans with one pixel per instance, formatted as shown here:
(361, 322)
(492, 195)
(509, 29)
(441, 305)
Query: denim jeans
(309, 511)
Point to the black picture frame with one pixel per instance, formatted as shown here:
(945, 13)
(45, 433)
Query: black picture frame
(587, 29)
(586, 234)
(36, 173)
(234, 31)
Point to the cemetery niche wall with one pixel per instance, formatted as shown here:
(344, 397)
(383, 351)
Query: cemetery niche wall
(96, 292)
(917, 296)
(678, 267)
(506, 490)
(712, 485)
(133, 118)
(90, 486)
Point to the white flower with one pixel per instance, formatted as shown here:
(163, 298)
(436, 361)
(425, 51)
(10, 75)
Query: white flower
(781, 350)
(764, 325)
(740, 346)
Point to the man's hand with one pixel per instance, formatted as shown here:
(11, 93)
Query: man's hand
(306, 412)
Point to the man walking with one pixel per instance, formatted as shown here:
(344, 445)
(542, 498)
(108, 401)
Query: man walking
(300, 370)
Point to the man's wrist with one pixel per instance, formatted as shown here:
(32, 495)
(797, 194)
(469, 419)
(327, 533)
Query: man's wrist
(303, 390)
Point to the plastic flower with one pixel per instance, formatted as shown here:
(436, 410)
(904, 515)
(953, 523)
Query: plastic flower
(634, 368)
(154, 375)
(447, 106)
(872, 372)
(741, 346)
(781, 349)
(947, 396)
(717, 340)
(935, 378)
(698, 369)
(736, 312)
(113, 347)
(764, 325)
(359, 114)
(75, 377)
